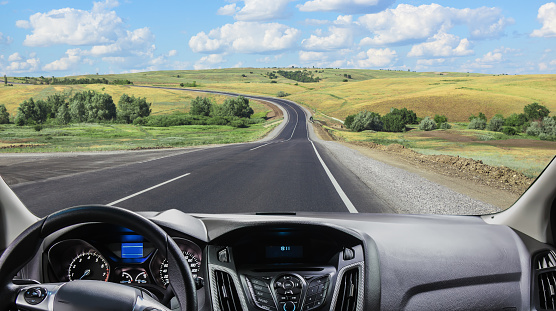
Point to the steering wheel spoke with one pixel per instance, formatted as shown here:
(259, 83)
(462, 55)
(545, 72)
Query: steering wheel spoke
(37, 297)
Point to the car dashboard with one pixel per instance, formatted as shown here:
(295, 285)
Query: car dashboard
(316, 261)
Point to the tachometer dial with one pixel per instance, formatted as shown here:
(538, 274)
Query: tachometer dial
(193, 262)
(89, 266)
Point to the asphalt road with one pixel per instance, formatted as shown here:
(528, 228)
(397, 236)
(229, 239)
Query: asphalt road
(286, 174)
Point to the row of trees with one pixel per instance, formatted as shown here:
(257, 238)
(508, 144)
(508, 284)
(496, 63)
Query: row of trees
(534, 121)
(86, 106)
(394, 121)
(203, 111)
(298, 75)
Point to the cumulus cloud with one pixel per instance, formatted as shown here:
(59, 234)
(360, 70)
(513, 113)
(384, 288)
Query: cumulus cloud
(209, 61)
(345, 6)
(547, 17)
(22, 65)
(245, 37)
(70, 61)
(257, 10)
(407, 23)
(310, 57)
(73, 26)
(375, 58)
(442, 45)
(336, 39)
(137, 42)
(15, 57)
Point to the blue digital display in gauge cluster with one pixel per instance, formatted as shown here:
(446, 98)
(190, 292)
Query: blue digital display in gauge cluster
(132, 250)
(284, 251)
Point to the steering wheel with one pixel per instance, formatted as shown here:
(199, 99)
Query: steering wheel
(91, 295)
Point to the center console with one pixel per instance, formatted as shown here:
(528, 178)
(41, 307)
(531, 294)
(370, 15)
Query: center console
(285, 269)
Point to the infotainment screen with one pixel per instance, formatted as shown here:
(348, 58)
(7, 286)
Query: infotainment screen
(284, 251)
(132, 250)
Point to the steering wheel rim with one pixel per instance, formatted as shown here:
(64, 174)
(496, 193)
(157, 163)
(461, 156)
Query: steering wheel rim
(26, 245)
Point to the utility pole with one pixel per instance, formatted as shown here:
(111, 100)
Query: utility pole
(5, 80)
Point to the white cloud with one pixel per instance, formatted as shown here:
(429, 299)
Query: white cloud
(23, 65)
(238, 65)
(310, 57)
(430, 62)
(5, 39)
(246, 37)
(229, 9)
(15, 57)
(65, 63)
(345, 6)
(208, 62)
(442, 45)
(73, 26)
(490, 57)
(172, 53)
(257, 10)
(547, 17)
(408, 23)
(375, 58)
(336, 39)
(138, 42)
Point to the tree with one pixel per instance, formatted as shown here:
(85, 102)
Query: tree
(4, 115)
(477, 124)
(439, 119)
(393, 123)
(408, 116)
(5, 80)
(201, 106)
(496, 124)
(32, 112)
(63, 115)
(516, 120)
(131, 108)
(348, 121)
(535, 112)
(366, 120)
(54, 103)
(238, 107)
(427, 124)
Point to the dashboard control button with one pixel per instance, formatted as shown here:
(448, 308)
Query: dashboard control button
(257, 282)
(277, 284)
(261, 288)
(288, 306)
(34, 295)
(223, 255)
(349, 253)
(288, 285)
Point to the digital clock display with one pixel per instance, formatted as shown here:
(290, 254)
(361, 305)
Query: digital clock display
(284, 251)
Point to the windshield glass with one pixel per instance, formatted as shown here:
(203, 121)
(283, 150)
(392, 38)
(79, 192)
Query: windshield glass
(376, 106)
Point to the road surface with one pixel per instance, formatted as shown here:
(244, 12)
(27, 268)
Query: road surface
(290, 173)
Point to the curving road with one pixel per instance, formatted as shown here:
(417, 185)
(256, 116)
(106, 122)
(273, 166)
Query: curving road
(289, 173)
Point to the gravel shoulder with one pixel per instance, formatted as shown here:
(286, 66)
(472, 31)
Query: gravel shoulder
(410, 189)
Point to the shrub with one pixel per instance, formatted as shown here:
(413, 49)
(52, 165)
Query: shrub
(509, 130)
(273, 81)
(427, 124)
(534, 129)
(201, 106)
(408, 116)
(241, 123)
(477, 124)
(345, 80)
(234, 107)
(282, 94)
(481, 116)
(439, 119)
(496, 124)
(516, 120)
(366, 120)
(444, 126)
(535, 112)
(32, 112)
(393, 123)
(348, 121)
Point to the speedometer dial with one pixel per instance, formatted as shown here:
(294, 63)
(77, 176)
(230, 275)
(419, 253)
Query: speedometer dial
(193, 262)
(89, 266)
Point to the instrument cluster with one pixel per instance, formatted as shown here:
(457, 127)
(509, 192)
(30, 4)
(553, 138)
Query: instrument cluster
(125, 258)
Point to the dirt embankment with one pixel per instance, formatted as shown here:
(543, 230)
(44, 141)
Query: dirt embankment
(474, 171)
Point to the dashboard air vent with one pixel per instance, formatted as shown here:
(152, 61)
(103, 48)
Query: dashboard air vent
(227, 295)
(545, 260)
(547, 290)
(347, 296)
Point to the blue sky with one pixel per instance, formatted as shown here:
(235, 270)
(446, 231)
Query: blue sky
(59, 38)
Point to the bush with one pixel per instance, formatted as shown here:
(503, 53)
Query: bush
(509, 130)
(408, 116)
(393, 123)
(234, 107)
(516, 120)
(201, 106)
(241, 123)
(477, 124)
(32, 112)
(439, 119)
(348, 121)
(496, 124)
(534, 129)
(365, 120)
(282, 94)
(481, 116)
(444, 126)
(427, 124)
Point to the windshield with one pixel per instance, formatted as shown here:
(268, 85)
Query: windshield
(251, 106)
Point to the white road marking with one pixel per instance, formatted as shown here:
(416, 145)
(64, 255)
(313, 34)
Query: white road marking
(259, 146)
(146, 190)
